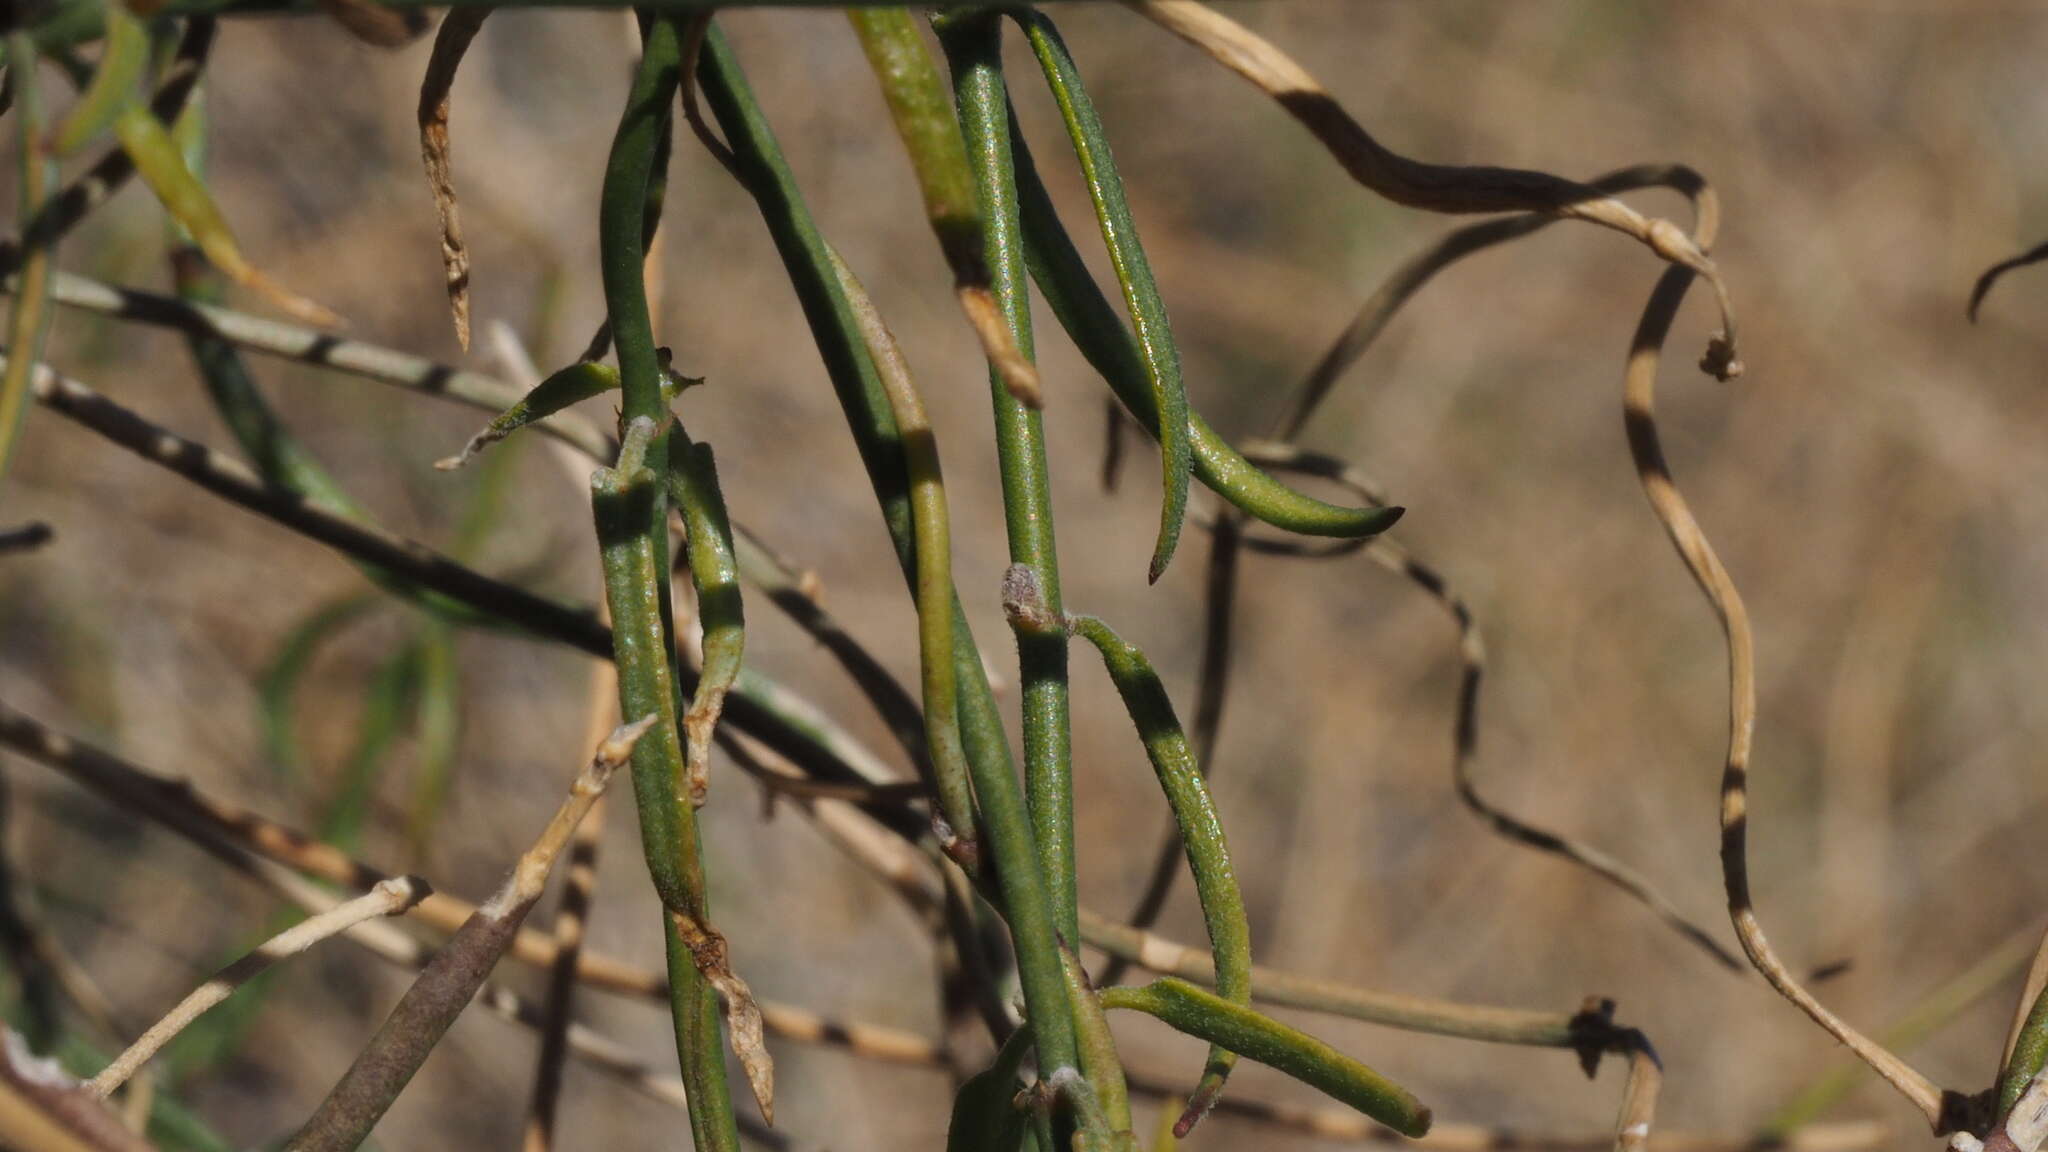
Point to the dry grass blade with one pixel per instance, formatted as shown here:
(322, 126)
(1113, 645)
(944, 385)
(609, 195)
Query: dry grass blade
(1433, 187)
(451, 41)
(388, 898)
(1942, 1109)
(1391, 555)
(1417, 271)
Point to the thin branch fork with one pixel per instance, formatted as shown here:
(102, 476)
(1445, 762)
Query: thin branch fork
(448, 983)
(389, 898)
(232, 833)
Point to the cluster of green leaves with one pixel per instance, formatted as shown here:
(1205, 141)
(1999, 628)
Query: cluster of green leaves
(1000, 233)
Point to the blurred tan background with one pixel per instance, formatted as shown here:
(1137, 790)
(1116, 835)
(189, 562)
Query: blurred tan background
(1875, 484)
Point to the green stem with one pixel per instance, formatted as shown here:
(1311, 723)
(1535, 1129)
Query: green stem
(714, 574)
(121, 62)
(1154, 335)
(973, 47)
(1098, 1045)
(1201, 833)
(29, 320)
(2029, 1053)
(633, 537)
(934, 584)
(761, 166)
(1207, 1016)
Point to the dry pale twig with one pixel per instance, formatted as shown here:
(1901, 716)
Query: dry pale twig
(451, 41)
(388, 943)
(1943, 1110)
(1584, 1030)
(1638, 1101)
(571, 916)
(1433, 187)
(1347, 1127)
(42, 1109)
(447, 984)
(388, 898)
(232, 833)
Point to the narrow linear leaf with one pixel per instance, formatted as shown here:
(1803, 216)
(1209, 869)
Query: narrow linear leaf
(1207, 1016)
(277, 687)
(1154, 334)
(113, 86)
(1078, 304)
(923, 112)
(29, 320)
(934, 585)
(158, 161)
(1187, 794)
(714, 573)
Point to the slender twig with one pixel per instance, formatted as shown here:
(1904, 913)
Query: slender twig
(1433, 187)
(43, 1109)
(231, 833)
(1939, 1006)
(311, 346)
(388, 898)
(797, 595)
(1413, 1013)
(973, 47)
(1418, 270)
(1638, 1102)
(803, 742)
(571, 918)
(238, 483)
(1997, 271)
(445, 987)
(1941, 1109)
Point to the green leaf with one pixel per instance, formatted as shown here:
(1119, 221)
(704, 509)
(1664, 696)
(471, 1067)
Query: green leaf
(985, 1118)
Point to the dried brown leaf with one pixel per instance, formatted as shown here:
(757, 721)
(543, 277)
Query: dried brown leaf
(451, 42)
